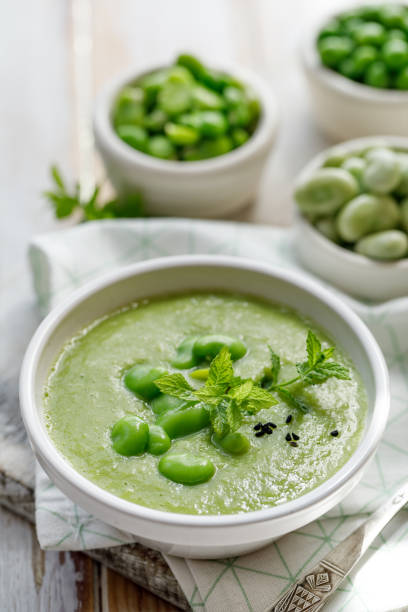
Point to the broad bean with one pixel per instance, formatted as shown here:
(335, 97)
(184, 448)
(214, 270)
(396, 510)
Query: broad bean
(328, 228)
(158, 441)
(325, 191)
(388, 245)
(184, 421)
(140, 379)
(234, 443)
(209, 346)
(185, 357)
(130, 436)
(186, 468)
(366, 214)
(163, 403)
(382, 172)
(404, 214)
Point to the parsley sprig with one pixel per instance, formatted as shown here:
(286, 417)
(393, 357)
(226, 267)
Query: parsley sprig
(66, 202)
(317, 368)
(228, 397)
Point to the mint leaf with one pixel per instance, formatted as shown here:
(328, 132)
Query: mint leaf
(209, 395)
(55, 173)
(241, 392)
(259, 399)
(327, 370)
(218, 417)
(313, 348)
(275, 366)
(233, 416)
(221, 371)
(293, 401)
(176, 385)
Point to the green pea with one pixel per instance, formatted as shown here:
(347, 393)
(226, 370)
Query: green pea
(129, 108)
(181, 134)
(133, 135)
(355, 165)
(233, 443)
(218, 80)
(212, 123)
(369, 33)
(395, 54)
(328, 228)
(377, 75)
(352, 23)
(364, 56)
(347, 68)
(239, 136)
(192, 64)
(206, 99)
(332, 28)
(404, 214)
(388, 245)
(160, 146)
(180, 74)
(366, 214)
(140, 379)
(184, 421)
(129, 436)
(396, 34)
(156, 120)
(152, 83)
(209, 346)
(158, 441)
(401, 81)
(239, 116)
(368, 12)
(208, 148)
(393, 15)
(200, 374)
(402, 187)
(186, 468)
(325, 191)
(334, 49)
(175, 98)
(164, 403)
(185, 357)
(382, 172)
(234, 96)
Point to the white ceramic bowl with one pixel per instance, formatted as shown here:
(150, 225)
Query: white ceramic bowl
(352, 272)
(207, 188)
(344, 108)
(182, 534)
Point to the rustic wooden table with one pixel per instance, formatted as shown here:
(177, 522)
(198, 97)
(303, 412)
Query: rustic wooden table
(55, 56)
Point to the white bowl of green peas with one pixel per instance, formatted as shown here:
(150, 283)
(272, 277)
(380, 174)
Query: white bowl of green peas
(192, 139)
(356, 65)
(352, 224)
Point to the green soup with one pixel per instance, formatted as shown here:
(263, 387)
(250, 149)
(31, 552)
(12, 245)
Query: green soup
(85, 396)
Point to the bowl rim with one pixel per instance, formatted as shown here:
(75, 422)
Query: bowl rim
(46, 449)
(259, 140)
(316, 162)
(336, 81)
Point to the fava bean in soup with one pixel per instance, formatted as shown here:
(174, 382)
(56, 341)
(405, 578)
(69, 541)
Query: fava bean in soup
(205, 403)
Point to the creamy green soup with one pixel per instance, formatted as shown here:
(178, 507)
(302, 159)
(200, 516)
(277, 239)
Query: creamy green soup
(85, 396)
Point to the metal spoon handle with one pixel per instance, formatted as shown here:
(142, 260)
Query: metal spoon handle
(311, 592)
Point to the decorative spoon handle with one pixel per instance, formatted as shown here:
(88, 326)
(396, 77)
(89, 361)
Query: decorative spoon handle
(312, 591)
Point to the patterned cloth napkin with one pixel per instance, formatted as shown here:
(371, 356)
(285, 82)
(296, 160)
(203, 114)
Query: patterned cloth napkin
(64, 260)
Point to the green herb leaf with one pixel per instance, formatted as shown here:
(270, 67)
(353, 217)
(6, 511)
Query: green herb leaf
(221, 371)
(177, 386)
(55, 173)
(259, 399)
(293, 401)
(275, 366)
(234, 416)
(218, 417)
(327, 370)
(313, 348)
(241, 392)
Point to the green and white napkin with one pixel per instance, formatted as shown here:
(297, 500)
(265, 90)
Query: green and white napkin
(64, 260)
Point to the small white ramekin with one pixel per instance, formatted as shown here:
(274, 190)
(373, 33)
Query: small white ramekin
(352, 272)
(344, 108)
(184, 534)
(207, 188)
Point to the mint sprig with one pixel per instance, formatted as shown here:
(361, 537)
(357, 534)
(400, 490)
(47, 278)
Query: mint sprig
(315, 370)
(227, 396)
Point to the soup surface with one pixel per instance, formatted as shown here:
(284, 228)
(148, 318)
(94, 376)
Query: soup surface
(85, 396)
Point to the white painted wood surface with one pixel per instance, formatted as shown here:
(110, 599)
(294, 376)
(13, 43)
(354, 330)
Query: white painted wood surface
(38, 126)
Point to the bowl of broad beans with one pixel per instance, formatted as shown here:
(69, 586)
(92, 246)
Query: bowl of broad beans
(192, 138)
(355, 61)
(352, 204)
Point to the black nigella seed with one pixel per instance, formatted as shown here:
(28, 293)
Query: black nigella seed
(288, 437)
(295, 436)
(293, 443)
(258, 426)
(334, 433)
(266, 429)
(288, 418)
(259, 434)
